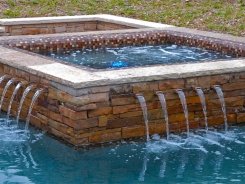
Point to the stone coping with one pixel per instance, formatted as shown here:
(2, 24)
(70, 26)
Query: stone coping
(79, 18)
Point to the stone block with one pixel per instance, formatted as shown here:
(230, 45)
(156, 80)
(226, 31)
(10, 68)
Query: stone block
(105, 135)
(37, 122)
(235, 93)
(230, 102)
(204, 82)
(180, 117)
(134, 131)
(241, 117)
(61, 127)
(103, 121)
(62, 135)
(131, 114)
(90, 26)
(123, 100)
(82, 141)
(81, 108)
(191, 83)
(233, 86)
(157, 127)
(74, 115)
(171, 84)
(65, 97)
(219, 79)
(100, 111)
(98, 97)
(121, 89)
(31, 31)
(55, 116)
(125, 122)
(126, 108)
(100, 89)
(60, 29)
(215, 120)
(142, 87)
(81, 124)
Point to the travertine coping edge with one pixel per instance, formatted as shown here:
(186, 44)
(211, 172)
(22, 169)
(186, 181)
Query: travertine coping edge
(79, 18)
(77, 78)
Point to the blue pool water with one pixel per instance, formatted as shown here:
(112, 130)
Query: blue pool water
(132, 56)
(216, 157)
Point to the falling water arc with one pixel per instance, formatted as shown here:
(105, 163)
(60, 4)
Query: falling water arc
(222, 102)
(25, 93)
(144, 110)
(18, 86)
(162, 100)
(34, 99)
(204, 106)
(185, 109)
(11, 81)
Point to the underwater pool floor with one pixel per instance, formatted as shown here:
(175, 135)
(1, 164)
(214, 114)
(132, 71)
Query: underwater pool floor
(215, 157)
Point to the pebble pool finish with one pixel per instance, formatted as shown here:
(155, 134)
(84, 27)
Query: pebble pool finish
(215, 157)
(132, 56)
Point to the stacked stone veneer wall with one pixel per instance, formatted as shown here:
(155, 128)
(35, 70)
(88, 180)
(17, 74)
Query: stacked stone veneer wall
(108, 113)
(51, 28)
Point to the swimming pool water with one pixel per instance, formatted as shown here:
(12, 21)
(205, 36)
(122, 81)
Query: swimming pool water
(132, 56)
(216, 157)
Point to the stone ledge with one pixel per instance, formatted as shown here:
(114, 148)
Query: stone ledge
(80, 18)
(46, 20)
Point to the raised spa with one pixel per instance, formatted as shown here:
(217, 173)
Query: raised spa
(168, 79)
(131, 56)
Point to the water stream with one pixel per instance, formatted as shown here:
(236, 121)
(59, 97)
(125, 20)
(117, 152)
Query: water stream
(34, 99)
(164, 110)
(12, 99)
(2, 78)
(25, 93)
(222, 102)
(204, 106)
(5, 91)
(144, 110)
(185, 109)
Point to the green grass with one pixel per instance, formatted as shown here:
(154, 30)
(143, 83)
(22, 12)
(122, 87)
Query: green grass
(226, 16)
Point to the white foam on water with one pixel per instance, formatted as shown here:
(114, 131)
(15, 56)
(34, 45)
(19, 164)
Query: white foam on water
(217, 153)
(194, 144)
(206, 140)
(167, 52)
(156, 137)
